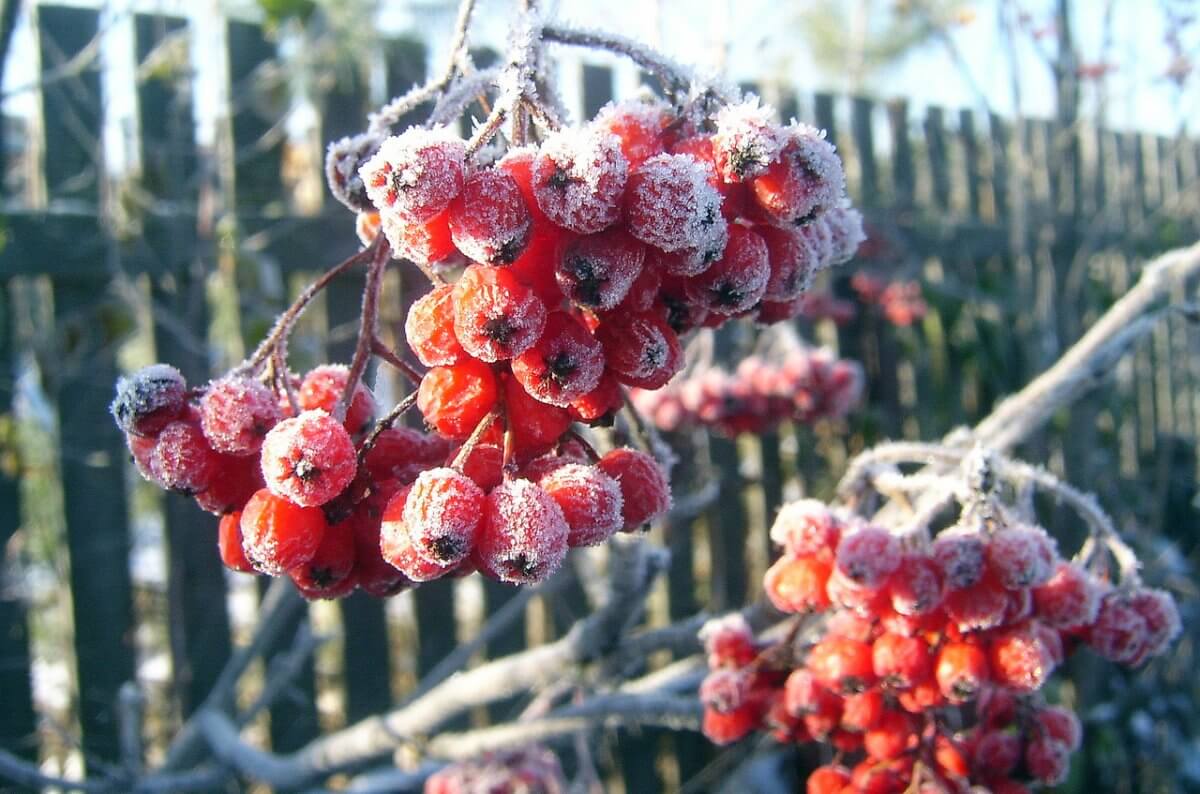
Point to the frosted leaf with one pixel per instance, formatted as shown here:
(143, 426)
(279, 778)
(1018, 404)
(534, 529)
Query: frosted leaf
(415, 174)
(747, 140)
(670, 204)
(578, 178)
(524, 538)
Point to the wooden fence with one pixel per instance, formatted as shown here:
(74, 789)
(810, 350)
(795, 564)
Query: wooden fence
(1020, 232)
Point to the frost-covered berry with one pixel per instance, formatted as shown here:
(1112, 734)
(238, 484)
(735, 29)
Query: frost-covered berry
(442, 515)
(415, 174)
(535, 426)
(891, 737)
(916, 585)
(328, 573)
(792, 261)
(578, 179)
(738, 280)
(229, 543)
(844, 226)
(489, 221)
(1163, 625)
(590, 500)
(867, 556)
(670, 204)
(723, 690)
(373, 574)
(234, 481)
(236, 413)
(308, 459)
(727, 728)
(182, 460)
(847, 594)
(496, 317)
(829, 779)
(728, 641)
(1048, 761)
(978, 608)
(1069, 599)
(323, 387)
(961, 670)
(960, 552)
(598, 405)
(484, 464)
(746, 142)
(1022, 556)
(278, 535)
(797, 584)
(842, 664)
(343, 159)
(861, 711)
(429, 328)
(900, 662)
(454, 399)
(997, 753)
(645, 493)
(1061, 724)
(395, 544)
(598, 270)
(149, 400)
(1020, 659)
(640, 349)
(402, 453)
(803, 181)
(524, 535)
(806, 527)
(421, 242)
(563, 365)
(640, 125)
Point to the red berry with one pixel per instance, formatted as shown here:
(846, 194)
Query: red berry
(961, 670)
(600, 403)
(900, 662)
(960, 552)
(843, 665)
(496, 317)
(1163, 625)
(323, 388)
(308, 459)
(746, 141)
(1120, 633)
(807, 527)
(1020, 660)
(1048, 761)
(535, 425)
(442, 515)
(229, 543)
(643, 292)
(690, 261)
(892, 735)
(862, 601)
(402, 453)
(997, 753)
(868, 556)
(728, 728)
(421, 242)
(830, 779)
(977, 608)
(524, 536)
(916, 585)
(327, 574)
(373, 573)
(578, 179)
(182, 460)
(670, 204)
(416, 174)
(803, 695)
(792, 261)
(844, 226)
(429, 329)
(590, 501)
(639, 125)
(738, 280)
(728, 641)
(278, 535)
(804, 180)
(1061, 724)
(454, 399)
(949, 756)
(797, 584)
(861, 711)
(149, 400)
(645, 492)
(1021, 556)
(235, 480)
(489, 221)
(397, 548)
(922, 697)
(1069, 599)
(484, 465)
(640, 349)
(565, 363)
(236, 413)
(598, 270)
(724, 690)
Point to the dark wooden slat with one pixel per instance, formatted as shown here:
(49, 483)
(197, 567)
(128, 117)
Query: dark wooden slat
(597, 88)
(406, 66)
(971, 157)
(197, 617)
(903, 176)
(862, 111)
(727, 529)
(259, 162)
(71, 108)
(939, 156)
(823, 113)
(18, 729)
(1001, 136)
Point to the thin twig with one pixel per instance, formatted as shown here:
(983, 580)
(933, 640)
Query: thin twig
(385, 423)
(389, 356)
(367, 327)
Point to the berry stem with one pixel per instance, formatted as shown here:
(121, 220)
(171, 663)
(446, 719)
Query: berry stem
(380, 349)
(469, 445)
(589, 450)
(385, 423)
(367, 326)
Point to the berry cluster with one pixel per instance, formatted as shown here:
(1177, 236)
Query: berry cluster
(808, 385)
(334, 508)
(924, 661)
(530, 770)
(899, 302)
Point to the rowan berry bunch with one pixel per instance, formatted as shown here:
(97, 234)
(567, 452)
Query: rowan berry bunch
(530, 770)
(565, 263)
(899, 302)
(808, 385)
(922, 660)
